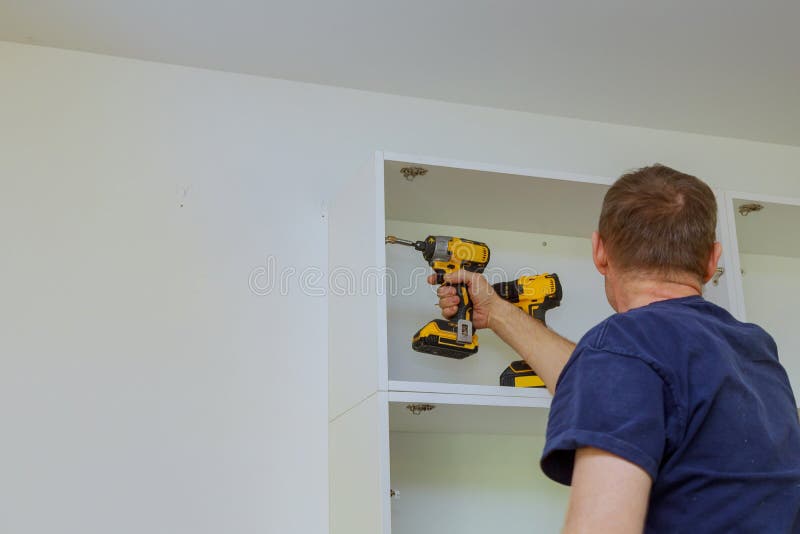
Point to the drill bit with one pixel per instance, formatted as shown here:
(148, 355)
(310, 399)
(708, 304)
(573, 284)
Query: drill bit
(390, 239)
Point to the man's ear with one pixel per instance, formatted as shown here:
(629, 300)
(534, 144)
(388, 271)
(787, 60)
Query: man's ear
(599, 254)
(713, 260)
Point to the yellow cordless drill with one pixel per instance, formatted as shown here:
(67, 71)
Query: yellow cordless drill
(454, 337)
(534, 295)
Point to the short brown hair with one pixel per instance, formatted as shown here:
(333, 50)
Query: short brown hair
(656, 219)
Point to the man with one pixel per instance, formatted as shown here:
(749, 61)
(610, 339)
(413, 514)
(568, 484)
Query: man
(671, 415)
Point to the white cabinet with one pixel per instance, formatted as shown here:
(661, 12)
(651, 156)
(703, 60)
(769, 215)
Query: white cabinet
(767, 269)
(470, 464)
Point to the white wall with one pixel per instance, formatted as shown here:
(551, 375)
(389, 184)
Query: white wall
(143, 387)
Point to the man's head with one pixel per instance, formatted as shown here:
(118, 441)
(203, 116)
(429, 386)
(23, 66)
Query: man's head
(658, 224)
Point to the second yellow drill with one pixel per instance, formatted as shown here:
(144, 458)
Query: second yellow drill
(534, 295)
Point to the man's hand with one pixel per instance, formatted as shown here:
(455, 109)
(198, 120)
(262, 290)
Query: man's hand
(484, 299)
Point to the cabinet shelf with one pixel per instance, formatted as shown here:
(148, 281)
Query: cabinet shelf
(468, 409)
(467, 394)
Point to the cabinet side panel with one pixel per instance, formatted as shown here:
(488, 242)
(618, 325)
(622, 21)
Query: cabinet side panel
(721, 292)
(734, 260)
(356, 289)
(358, 459)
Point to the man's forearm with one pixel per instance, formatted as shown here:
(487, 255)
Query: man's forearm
(544, 350)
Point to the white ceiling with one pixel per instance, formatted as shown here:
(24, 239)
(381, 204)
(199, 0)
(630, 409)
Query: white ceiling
(721, 67)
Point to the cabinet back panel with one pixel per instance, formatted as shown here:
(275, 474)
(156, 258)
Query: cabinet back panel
(472, 484)
(771, 291)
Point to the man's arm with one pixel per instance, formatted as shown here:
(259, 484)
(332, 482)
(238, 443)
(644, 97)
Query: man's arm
(609, 494)
(544, 350)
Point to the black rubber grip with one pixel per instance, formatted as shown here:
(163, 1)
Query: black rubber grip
(464, 303)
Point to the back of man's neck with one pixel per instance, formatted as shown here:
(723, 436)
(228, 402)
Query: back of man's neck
(642, 291)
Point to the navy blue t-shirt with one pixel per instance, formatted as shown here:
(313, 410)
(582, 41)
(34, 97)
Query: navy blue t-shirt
(699, 401)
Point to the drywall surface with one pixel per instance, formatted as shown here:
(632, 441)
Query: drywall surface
(472, 484)
(163, 325)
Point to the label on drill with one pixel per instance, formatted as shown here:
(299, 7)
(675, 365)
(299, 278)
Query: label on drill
(464, 334)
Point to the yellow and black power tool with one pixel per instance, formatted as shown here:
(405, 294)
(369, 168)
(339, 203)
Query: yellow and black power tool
(454, 337)
(534, 295)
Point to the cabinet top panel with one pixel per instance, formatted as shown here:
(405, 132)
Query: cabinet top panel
(494, 200)
(772, 230)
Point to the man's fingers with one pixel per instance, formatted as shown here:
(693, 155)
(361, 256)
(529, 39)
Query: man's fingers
(445, 291)
(448, 302)
(449, 311)
(463, 277)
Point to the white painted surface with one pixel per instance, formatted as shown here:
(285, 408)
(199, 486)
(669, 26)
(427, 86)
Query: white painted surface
(359, 482)
(356, 350)
(462, 418)
(724, 291)
(773, 231)
(734, 259)
(723, 67)
(456, 196)
(143, 386)
(470, 400)
(472, 484)
(466, 389)
(771, 292)
(769, 263)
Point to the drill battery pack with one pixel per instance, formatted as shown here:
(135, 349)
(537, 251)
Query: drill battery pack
(441, 337)
(520, 375)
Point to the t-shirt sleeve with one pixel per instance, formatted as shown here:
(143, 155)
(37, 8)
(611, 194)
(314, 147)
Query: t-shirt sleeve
(609, 401)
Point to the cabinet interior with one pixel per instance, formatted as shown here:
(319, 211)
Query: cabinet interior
(769, 256)
(472, 484)
(531, 225)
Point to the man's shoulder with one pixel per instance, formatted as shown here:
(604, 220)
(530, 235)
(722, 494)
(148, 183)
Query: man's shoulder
(670, 319)
(650, 332)
(665, 333)
(623, 332)
(613, 338)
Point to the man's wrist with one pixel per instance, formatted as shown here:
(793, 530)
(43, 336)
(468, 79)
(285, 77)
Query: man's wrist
(499, 311)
